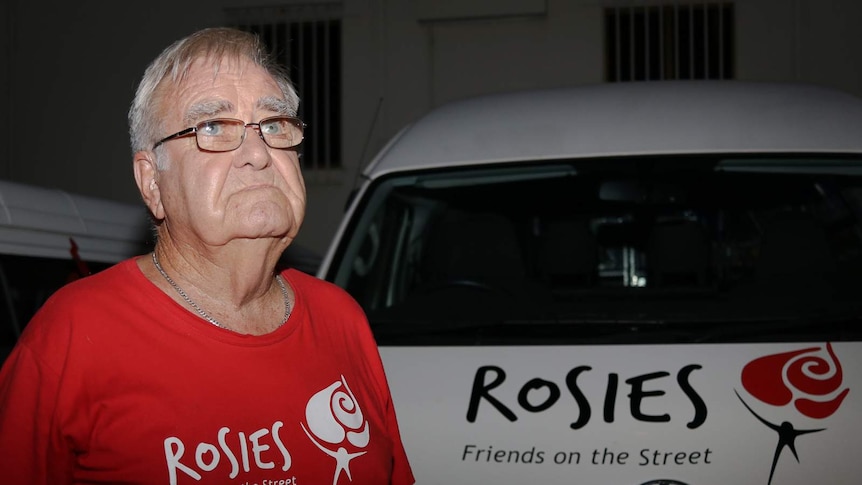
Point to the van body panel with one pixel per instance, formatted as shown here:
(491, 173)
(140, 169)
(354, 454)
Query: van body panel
(629, 284)
(628, 119)
(625, 415)
(37, 221)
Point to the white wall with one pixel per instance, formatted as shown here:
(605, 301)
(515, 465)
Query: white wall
(82, 61)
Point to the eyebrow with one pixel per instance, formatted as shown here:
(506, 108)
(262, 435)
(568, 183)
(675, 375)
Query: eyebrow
(276, 105)
(206, 109)
(212, 108)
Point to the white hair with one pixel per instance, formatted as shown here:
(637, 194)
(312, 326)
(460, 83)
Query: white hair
(173, 64)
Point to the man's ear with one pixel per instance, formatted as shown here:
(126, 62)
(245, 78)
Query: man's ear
(146, 176)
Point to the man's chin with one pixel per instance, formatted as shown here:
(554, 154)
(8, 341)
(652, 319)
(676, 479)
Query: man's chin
(268, 230)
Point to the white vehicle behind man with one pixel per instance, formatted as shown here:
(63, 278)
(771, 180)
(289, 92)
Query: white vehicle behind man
(620, 284)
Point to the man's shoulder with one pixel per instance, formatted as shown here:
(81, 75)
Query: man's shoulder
(78, 309)
(306, 283)
(124, 273)
(84, 298)
(320, 296)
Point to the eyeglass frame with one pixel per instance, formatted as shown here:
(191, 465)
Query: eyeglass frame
(194, 130)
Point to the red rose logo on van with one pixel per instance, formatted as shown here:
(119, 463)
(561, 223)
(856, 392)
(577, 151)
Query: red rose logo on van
(810, 380)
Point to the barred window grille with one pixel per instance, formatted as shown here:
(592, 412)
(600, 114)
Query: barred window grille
(671, 41)
(306, 40)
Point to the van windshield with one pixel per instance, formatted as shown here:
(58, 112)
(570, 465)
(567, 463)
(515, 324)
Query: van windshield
(703, 247)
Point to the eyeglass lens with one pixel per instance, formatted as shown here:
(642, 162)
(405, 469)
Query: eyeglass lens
(227, 134)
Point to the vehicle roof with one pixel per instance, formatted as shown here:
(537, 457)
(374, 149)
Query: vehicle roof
(618, 119)
(43, 222)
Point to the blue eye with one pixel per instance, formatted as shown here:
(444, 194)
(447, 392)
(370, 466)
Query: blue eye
(273, 127)
(211, 128)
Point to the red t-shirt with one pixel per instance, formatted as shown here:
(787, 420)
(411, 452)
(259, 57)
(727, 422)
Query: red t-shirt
(114, 382)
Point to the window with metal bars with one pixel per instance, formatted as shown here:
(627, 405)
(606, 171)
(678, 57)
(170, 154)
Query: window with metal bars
(674, 41)
(306, 40)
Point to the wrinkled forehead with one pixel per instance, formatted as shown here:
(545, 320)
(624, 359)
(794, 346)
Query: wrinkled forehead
(211, 66)
(178, 86)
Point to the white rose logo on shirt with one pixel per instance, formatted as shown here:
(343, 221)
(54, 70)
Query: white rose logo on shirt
(334, 420)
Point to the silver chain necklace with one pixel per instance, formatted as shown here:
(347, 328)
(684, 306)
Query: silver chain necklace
(206, 316)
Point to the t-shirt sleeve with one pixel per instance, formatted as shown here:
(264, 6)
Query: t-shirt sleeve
(28, 395)
(360, 330)
(402, 474)
(401, 471)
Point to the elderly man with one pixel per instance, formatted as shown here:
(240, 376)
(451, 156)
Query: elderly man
(198, 363)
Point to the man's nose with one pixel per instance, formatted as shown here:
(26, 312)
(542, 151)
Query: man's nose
(253, 150)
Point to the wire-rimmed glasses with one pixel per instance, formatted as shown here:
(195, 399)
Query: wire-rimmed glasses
(226, 134)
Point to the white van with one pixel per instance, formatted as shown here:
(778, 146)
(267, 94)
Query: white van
(623, 284)
(49, 237)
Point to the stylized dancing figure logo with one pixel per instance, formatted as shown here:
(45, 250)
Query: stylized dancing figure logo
(806, 379)
(334, 419)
